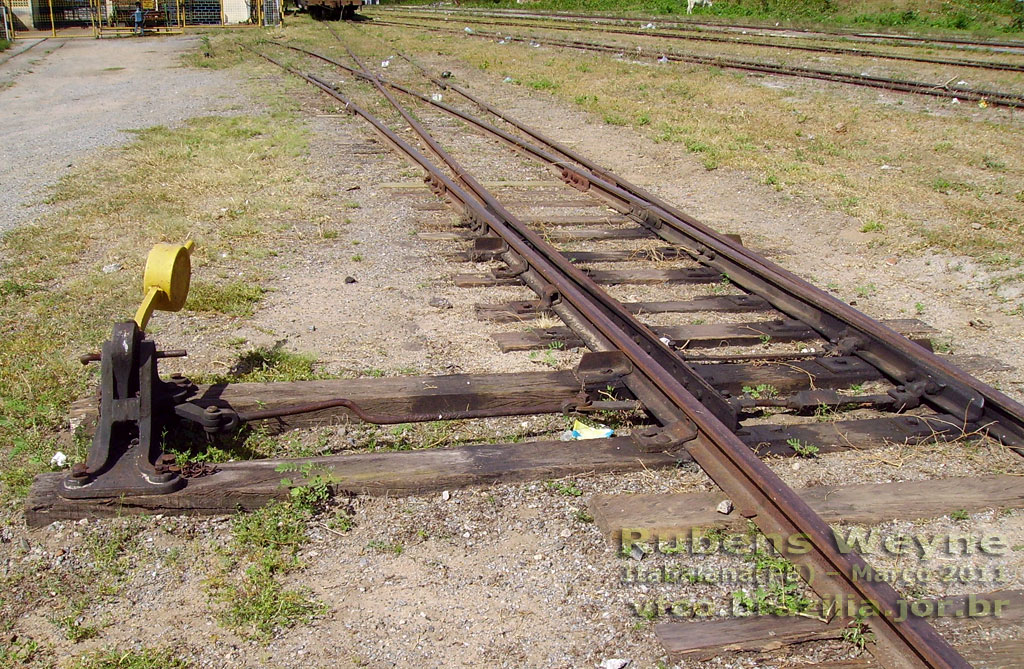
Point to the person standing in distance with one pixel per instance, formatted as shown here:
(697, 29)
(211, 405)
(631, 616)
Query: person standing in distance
(139, 17)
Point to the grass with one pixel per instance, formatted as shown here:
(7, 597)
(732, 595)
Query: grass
(146, 658)
(953, 170)
(69, 599)
(993, 15)
(271, 364)
(264, 547)
(235, 298)
(567, 488)
(61, 304)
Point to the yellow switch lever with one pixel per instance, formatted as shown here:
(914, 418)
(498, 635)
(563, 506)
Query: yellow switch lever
(166, 280)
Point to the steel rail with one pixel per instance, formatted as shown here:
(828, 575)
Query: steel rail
(944, 386)
(755, 489)
(614, 310)
(904, 86)
(721, 27)
(849, 51)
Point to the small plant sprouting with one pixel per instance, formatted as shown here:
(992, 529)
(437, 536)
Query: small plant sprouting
(547, 356)
(582, 516)
(858, 633)
(866, 290)
(386, 547)
(569, 488)
(722, 286)
(762, 391)
(802, 449)
(314, 494)
(823, 413)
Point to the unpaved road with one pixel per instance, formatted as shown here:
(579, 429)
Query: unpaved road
(67, 98)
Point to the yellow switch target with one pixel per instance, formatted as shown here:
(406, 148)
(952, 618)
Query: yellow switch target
(166, 280)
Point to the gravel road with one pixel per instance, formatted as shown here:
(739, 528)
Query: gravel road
(68, 98)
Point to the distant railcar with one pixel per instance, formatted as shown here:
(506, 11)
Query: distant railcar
(330, 10)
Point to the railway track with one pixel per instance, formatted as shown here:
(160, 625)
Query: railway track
(691, 412)
(989, 97)
(809, 347)
(724, 27)
(788, 45)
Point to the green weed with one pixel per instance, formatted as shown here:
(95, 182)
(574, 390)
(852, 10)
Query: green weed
(804, 450)
(764, 391)
(146, 658)
(858, 634)
(547, 356)
(567, 488)
(267, 542)
(394, 548)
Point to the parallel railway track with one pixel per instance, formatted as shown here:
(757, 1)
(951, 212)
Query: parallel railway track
(992, 97)
(747, 28)
(787, 45)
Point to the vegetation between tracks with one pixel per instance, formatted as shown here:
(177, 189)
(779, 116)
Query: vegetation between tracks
(990, 15)
(916, 176)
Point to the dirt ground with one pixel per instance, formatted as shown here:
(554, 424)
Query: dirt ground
(63, 99)
(507, 575)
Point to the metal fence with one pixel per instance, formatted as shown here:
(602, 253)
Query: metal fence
(6, 21)
(118, 18)
(113, 17)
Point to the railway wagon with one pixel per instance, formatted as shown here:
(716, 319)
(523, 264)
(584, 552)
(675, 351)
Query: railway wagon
(331, 10)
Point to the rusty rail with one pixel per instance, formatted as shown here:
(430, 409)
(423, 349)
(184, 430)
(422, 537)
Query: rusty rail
(724, 27)
(703, 37)
(901, 85)
(940, 384)
(755, 488)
